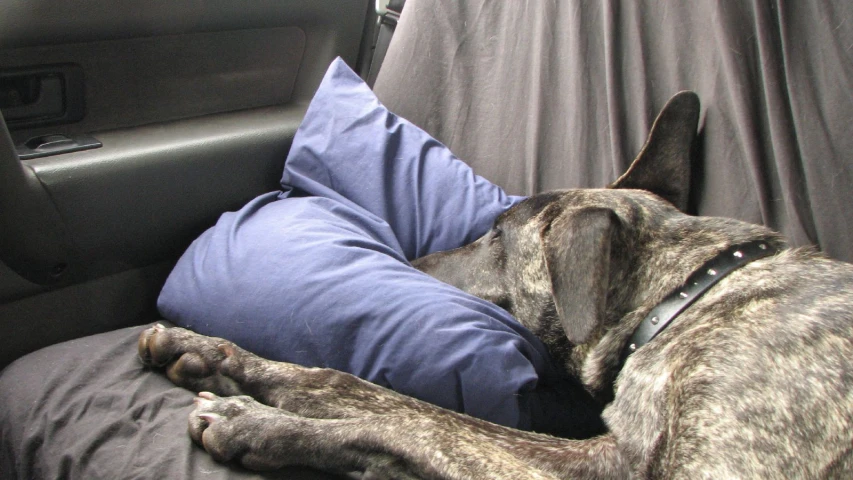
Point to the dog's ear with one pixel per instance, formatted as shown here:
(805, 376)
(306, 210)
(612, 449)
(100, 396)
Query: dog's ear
(576, 244)
(663, 165)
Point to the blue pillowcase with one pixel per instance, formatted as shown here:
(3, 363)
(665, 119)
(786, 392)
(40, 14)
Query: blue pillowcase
(350, 148)
(318, 273)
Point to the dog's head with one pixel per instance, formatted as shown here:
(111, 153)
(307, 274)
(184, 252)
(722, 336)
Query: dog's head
(554, 259)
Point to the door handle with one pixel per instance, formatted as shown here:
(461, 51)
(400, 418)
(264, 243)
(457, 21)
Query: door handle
(44, 95)
(46, 104)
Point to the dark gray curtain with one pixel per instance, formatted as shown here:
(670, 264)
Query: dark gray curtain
(537, 95)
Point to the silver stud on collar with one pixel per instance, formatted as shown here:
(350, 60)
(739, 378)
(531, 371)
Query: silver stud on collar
(738, 254)
(655, 320)
(712, 272)
(762, 246)
(683, 295)
(632, 347)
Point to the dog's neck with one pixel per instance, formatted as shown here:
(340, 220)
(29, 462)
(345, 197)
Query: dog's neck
(665, 265)
(705, 277)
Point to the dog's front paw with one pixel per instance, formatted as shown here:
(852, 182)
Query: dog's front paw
(243, 430)
(191, 360)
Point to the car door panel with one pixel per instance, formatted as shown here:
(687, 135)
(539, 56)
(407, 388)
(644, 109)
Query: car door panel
(132, 82)
(205, 166)
(195, 104)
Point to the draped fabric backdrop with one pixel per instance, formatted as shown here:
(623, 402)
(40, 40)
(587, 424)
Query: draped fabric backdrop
(537, 95)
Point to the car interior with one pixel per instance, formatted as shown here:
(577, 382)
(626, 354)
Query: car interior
(129, 129)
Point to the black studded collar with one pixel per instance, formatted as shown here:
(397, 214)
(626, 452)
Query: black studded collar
(696, 285)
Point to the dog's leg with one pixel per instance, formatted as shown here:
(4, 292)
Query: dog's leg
(427, 442)
(200, 363)
(334, 421)
(264, 438)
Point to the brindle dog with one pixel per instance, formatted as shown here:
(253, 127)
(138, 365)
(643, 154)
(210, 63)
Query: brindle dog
(752, 380)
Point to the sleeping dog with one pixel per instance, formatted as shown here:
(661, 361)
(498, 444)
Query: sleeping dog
(718, 352)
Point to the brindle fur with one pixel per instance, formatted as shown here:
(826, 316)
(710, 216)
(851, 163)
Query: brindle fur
(752, 381)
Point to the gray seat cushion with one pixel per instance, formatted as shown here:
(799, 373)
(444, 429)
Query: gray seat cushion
(88, 409)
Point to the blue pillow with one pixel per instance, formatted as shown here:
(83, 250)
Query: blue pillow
(352, 149)
(318, 273)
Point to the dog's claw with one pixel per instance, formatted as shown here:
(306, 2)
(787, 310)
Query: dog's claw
(204, 402)
(226, 349)
(210, 417)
